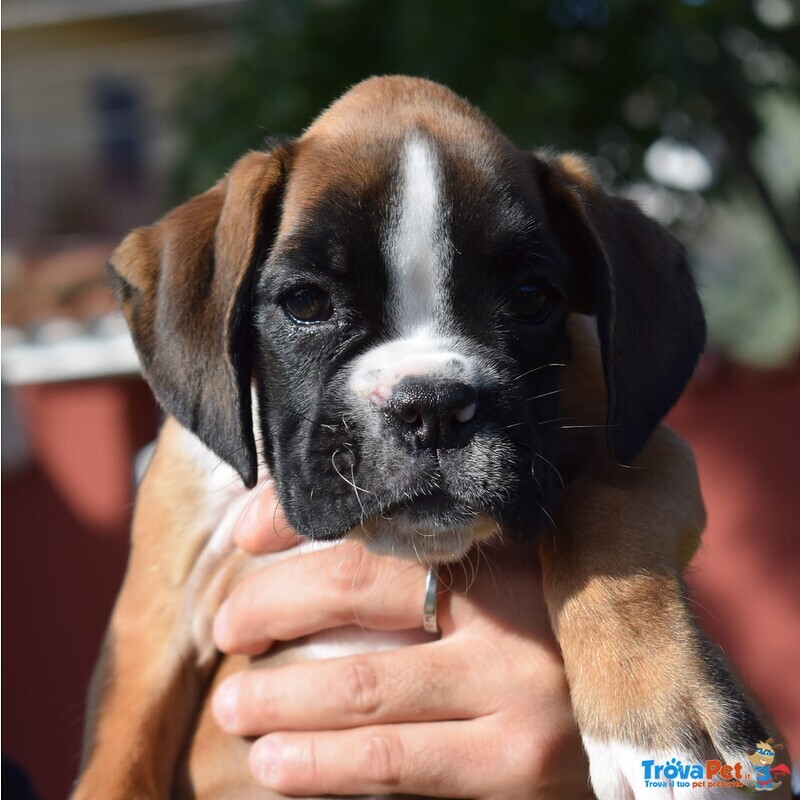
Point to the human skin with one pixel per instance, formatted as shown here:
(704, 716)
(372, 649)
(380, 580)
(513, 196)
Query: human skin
(482, 712)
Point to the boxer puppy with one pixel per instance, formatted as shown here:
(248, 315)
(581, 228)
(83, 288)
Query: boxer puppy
(378, 316)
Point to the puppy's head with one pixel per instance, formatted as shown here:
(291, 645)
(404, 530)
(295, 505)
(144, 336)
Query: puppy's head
(395, 286)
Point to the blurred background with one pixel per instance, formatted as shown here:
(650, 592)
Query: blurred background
(114, 110)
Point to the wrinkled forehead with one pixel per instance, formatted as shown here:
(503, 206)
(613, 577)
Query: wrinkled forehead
(418, 191)
(353, 167)
(346, 175)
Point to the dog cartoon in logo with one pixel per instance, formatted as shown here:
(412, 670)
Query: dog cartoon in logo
(761, 758)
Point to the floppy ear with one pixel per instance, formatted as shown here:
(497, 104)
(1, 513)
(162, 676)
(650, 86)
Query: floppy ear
(185, 286)
(649, 316)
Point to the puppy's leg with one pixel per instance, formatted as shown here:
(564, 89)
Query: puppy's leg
(157, 654)
(646, 684)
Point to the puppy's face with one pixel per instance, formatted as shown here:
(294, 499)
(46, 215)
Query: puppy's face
(396, 285)
(407, 326)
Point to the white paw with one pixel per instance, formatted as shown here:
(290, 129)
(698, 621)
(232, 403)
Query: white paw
(620, 771)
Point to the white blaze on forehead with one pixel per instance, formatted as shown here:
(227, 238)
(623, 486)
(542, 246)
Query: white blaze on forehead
(418, 254)
(417, 250)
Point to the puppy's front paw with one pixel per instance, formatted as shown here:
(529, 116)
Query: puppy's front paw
(660, 715)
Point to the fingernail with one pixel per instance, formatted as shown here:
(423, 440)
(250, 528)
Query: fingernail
(264, 758)
(225, 704)
(222, 626)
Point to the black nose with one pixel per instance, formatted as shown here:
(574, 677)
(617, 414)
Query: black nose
(434, 413)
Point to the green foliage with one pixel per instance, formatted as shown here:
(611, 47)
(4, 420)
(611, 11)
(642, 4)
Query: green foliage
(601, 77)
(607, 77)
(750, 293)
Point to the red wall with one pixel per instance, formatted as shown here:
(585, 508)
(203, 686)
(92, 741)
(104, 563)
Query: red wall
(65, 540)
(745, 430)
(66, 518)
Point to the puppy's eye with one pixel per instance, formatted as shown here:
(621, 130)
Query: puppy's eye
(308, 304)
(532, 302)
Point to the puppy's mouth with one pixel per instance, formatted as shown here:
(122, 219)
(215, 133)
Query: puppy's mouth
(433, 527)
(440, 509)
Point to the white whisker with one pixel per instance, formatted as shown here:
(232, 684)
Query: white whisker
(552, 465)
(536, 369)
(544, 394)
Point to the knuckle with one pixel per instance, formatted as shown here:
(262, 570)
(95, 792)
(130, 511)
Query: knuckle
(313, 766)
(383, 759)
(362, 692)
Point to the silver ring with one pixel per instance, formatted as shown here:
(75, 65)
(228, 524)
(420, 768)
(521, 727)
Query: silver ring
(429, 623)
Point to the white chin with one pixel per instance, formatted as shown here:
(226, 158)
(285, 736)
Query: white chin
(427, 543)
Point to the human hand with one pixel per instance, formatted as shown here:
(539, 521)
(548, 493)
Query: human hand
(483, 712)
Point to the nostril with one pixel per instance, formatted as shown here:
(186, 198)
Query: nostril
(433, 413)
(409, 415)
(466, 413)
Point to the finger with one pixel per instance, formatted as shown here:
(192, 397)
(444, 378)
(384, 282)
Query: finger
(421, 683)
(431, 759)
(319, 590)
(263, 528)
